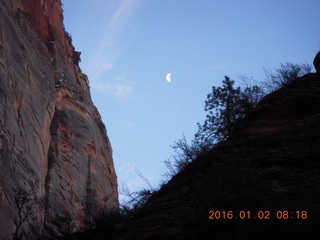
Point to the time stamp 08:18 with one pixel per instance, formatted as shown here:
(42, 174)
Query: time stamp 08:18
(216, 215)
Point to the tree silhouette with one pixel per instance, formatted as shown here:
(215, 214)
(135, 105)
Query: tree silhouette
(25, 202)
(225, 106)
(184, 154)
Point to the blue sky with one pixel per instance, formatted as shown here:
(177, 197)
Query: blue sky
(128, 47)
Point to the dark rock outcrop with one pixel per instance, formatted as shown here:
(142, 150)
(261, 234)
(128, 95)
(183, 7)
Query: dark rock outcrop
(316, 62)
(271, 164)
(269, 171)
(53, 144)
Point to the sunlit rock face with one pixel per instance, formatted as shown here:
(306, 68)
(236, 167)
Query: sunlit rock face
(53, 143)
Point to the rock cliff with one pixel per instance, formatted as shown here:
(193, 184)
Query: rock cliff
(56, 166)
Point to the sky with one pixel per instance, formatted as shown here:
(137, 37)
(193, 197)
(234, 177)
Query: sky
(129, 46)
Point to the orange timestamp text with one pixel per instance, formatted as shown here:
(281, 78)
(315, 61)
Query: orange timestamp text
(265, 214)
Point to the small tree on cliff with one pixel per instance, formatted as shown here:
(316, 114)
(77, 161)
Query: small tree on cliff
(225, 106)
(184, 154)
(135, 200)
(25, 202)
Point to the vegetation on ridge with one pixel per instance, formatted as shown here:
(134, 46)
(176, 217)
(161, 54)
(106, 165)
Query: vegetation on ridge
(225, 107)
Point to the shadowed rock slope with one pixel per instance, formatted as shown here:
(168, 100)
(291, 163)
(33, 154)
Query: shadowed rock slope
(270, 164)
(53, 144)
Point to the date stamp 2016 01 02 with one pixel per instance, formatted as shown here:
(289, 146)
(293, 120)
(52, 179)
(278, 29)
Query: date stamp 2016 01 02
(262, 215)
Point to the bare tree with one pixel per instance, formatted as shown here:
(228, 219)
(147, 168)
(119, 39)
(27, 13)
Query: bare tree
(286, 74)
(184, 154)
(25, 202)
(136, 199)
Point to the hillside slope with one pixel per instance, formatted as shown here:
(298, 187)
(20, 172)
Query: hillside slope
(269, 169)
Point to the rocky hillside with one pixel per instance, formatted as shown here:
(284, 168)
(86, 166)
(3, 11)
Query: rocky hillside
(56, 166)
(261, 184)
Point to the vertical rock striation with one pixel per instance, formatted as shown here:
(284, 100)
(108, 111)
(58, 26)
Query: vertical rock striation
(53, 144)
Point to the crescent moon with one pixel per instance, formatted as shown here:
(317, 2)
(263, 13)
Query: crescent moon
(168, 77)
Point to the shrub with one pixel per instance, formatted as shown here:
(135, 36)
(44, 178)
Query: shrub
(284, 75)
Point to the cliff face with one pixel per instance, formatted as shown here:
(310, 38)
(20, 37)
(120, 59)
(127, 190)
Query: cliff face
(53, 144)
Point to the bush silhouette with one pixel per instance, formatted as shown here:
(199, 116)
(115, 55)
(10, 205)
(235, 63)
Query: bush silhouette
(286, 74)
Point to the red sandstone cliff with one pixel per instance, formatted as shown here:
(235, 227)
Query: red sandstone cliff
(53, 144)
